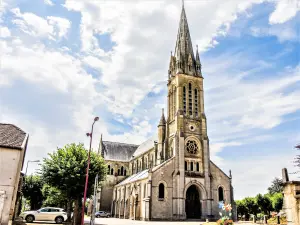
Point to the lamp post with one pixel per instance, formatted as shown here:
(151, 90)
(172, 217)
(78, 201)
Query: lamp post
(26, 175)
(87, 170)
(27, 165)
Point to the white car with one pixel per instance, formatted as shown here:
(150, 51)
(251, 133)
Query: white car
(45, 214)
(102, 214)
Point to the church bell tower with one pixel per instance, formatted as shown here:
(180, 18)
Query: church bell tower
(186, 130)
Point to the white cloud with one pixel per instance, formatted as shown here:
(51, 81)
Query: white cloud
(283, 32)
(284, 11)
(4, 32)
(48, 2)
(143, 33)
(52, 27)
(258, 172)
(62, 24)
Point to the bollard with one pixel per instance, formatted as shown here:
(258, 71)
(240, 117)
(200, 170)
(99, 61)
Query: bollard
(265, 219)
(254, 219)
(278, 219)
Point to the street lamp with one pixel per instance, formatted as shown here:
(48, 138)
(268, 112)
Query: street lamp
(25, 177)
(87, 170)
(27, 165)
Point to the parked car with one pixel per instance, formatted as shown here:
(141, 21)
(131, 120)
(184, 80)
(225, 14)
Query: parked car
(45, 214)
(102, 214)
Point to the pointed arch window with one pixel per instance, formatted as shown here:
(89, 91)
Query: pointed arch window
(196, 102)
(174, 102)
(111, 171)
(122, 171)
(197, 166)
(221, 194)
(192, 166)
(184, 100)
(161, 191)
(145, 190)
(190, 100)
(119, 172)
(170, 106)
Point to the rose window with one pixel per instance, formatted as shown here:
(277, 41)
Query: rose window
(191, 146)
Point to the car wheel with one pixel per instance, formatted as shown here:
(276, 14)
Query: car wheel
(59, 219)
(97, 216)
(29, 219)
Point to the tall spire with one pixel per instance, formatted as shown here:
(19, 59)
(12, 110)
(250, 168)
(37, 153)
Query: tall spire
(100, 148)
(162, 121)
(198, 63)
(185, 59)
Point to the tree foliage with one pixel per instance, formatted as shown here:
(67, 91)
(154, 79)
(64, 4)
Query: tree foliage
(276, 187)
(277, 201)
(65, 170)
(32, 191)
(264, 204)
(53, 197)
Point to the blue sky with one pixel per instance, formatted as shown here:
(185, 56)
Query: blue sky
(64, 62)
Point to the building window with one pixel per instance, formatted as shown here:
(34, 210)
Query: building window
(197, 166)
(174, 102)
(221, 194)
(190, 100)
(119, 172)
(111, 171)
(170, 106)
(145, 190)
(192, 166)
(191, 147)
(196, 102)
(108, 169)
(161, 191)
(184, 100)
(185, 165)
(122, 171)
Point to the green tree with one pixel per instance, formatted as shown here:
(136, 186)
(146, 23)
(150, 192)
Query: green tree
(276, 187)
(264, 203)
(65, 170)
(53, 197)
(277, 201)
(241, 208)
(251, 206)
(32, 191)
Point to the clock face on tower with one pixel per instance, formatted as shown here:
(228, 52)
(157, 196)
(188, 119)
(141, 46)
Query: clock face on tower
(192, 126)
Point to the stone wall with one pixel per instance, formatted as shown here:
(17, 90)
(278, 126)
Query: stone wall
(219, 179)
(10, 166)
(291, 202)
(161, 209)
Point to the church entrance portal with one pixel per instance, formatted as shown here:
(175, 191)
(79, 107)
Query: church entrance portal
(192, 203)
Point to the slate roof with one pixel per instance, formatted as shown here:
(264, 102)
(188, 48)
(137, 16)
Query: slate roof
(11, 136)
(145, 146)
(135, 177)
(118, 151)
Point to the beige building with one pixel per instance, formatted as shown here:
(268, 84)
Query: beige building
(13, 144)
(170, 176)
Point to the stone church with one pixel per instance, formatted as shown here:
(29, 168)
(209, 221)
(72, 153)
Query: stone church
(170, 176)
